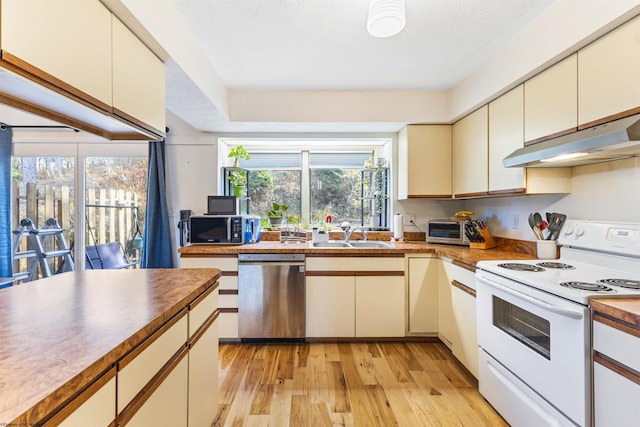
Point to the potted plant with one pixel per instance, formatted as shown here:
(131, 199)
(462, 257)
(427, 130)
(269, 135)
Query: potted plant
(276, 214)
(238, 180)
(238, 152)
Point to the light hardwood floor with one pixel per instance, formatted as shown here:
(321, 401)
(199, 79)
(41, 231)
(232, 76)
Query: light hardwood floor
(348, 384)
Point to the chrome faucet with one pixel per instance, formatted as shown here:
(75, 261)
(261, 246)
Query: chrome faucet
(348, 231)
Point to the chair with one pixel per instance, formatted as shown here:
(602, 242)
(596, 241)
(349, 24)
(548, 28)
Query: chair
(107, 256)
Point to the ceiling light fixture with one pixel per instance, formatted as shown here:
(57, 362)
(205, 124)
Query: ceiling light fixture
(386, 17)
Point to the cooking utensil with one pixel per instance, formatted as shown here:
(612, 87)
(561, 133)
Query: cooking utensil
(535, 225)
(556, 221)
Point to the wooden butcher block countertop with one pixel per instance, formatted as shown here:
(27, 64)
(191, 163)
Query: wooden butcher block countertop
(58, 335)
(625, 311)
(507, 250)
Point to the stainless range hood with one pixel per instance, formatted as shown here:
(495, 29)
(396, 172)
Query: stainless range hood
(610, 141)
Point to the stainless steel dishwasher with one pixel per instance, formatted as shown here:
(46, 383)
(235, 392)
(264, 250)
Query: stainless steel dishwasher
(271, 296)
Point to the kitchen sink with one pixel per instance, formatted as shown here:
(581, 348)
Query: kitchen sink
(370, 244)
(355, 244)
(330, 245)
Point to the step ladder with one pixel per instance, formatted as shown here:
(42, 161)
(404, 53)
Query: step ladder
(37, 242)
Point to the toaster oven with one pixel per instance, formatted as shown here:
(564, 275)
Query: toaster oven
(447, 231)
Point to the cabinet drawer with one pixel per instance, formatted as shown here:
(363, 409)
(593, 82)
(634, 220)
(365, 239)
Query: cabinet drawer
(201, 308)
(223, 263)
(464, 276)
(228, 282)
(137, 368)
(617, 345)
(228, 301)
(96, 406)
(167, 404)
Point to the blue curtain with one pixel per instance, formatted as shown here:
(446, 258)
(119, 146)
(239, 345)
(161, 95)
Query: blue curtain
(5, 203)
(157, 251)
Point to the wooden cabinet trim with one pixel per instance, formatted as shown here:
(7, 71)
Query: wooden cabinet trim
(229, 273)
(463, 288)
(143, 127)
(139, 400)
(463, 265)
(430, 196)
(228, 292)
(146, 343)
(353, 273)
(617, 367)
(507, 192)
(51, 115)
(611, 118)
(80, 398)
(42, 78)
(203, 328)
(553, 135)
(478, 194)
(228, 309)
(616, 324)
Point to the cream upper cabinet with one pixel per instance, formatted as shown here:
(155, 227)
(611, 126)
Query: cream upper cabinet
(138, 80)
(470, 154)
(69, 40)
(550, 101)
(608, 71)
(424, 161)
(506, 134)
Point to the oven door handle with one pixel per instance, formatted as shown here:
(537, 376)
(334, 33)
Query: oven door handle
(553, 308)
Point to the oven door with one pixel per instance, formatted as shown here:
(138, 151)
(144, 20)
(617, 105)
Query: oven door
(542, 339)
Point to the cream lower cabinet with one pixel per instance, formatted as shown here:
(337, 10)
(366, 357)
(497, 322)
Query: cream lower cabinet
(167, 405)
(228, 290)
(422, 284)
(171, 379)
(330, 306)
(203, 360)
(616, 367)
(355, 297)
(457, 313)
(96, 406)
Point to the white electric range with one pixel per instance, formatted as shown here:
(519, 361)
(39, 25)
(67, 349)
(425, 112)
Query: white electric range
(534, 322)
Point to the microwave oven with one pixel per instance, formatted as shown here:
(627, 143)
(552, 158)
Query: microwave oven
(216, 229)
(447, 231)
(223, 205)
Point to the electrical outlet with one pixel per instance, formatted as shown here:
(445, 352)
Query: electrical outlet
(408, 218)
(515, 222)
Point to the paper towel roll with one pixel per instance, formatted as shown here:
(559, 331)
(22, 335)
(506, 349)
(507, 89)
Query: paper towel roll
(398, 230)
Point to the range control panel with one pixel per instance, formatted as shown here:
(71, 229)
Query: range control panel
(616, 237)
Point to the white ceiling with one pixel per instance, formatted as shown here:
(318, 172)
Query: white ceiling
(323, 45)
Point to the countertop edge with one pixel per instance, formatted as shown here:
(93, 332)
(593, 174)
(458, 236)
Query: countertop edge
(55, 401)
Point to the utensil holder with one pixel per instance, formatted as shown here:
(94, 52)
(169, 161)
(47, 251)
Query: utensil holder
(547, 249)
(488, 243)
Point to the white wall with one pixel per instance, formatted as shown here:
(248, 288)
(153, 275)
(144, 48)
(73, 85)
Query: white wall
(192, 170)
(607, 191)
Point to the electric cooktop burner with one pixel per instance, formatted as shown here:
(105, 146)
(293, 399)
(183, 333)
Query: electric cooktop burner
(584, 286)
(623, 283)
(559, 265)
(520, 267)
